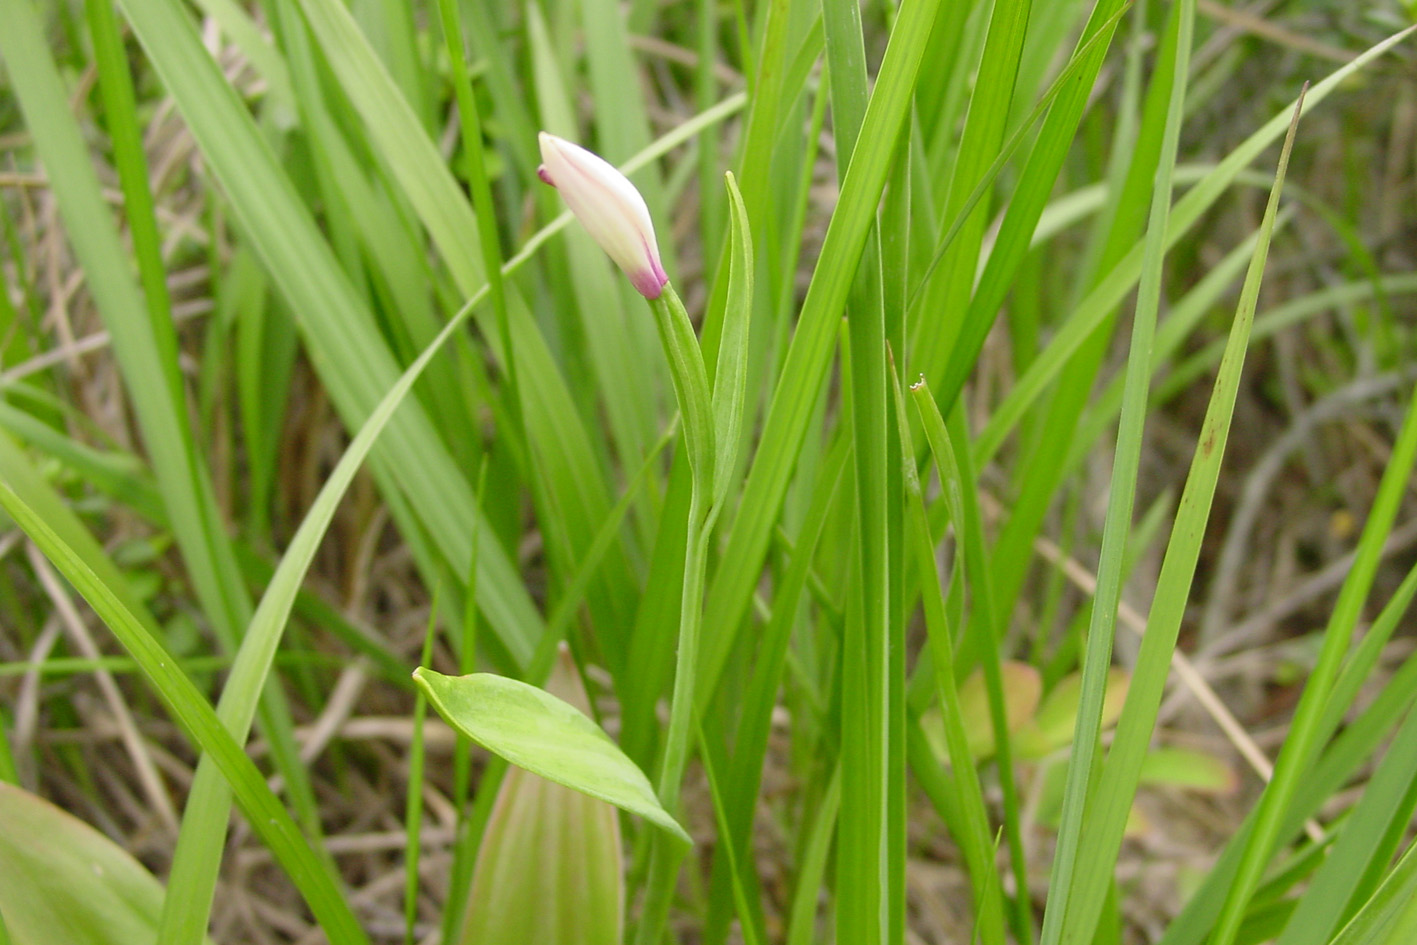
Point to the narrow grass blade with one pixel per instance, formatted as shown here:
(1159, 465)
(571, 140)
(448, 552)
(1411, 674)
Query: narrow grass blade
(971, 831)
(720, 813)
(1330, 772)
(143, 353)
(802, 928)
(1171, 334)
(1364, 849)
(1301, 744)
(470, 118)
(982, 139)
(1108, 809)
(958, 479)
(1389, 917)
(745, 774)
(1036, 182)
(965, 210)
(413, 802)
(810, 351)
(145, 343)
(570, 469)
(1072, 859)
(1110, 291)
(337, 323)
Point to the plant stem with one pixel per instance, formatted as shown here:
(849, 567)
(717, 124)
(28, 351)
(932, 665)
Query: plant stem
(691, 388)
(676, 749)
(666, 852)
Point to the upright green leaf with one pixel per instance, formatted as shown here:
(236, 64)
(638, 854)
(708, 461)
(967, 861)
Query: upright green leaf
(730, 379)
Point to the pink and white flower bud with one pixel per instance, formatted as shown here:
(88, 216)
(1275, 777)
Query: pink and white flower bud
(609, 207)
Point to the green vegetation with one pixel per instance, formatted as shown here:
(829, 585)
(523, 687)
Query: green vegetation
(796, 601)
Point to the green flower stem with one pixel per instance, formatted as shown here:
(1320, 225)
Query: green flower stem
(676, 748)
(666, 852)
(691, 388)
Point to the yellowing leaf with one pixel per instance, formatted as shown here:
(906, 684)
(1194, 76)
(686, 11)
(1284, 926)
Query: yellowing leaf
(1052, 727)
(1022, 688)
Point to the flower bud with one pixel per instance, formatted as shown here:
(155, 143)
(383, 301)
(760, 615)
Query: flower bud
(609, 207)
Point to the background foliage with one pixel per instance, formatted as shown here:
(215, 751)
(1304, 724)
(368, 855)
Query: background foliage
(306, 380)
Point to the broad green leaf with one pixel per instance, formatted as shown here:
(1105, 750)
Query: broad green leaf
(537, 731)
(549, 868)
(64, 883)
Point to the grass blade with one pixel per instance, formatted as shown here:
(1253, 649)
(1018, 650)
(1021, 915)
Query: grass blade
(1072, 859)
(1121, 773)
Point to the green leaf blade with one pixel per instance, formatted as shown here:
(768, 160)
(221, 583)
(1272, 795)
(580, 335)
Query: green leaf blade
(534, 730)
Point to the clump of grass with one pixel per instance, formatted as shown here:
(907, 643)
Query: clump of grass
(291, 336)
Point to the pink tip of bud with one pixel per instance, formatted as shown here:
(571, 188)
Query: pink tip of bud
(545, 175)
(649, 282)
